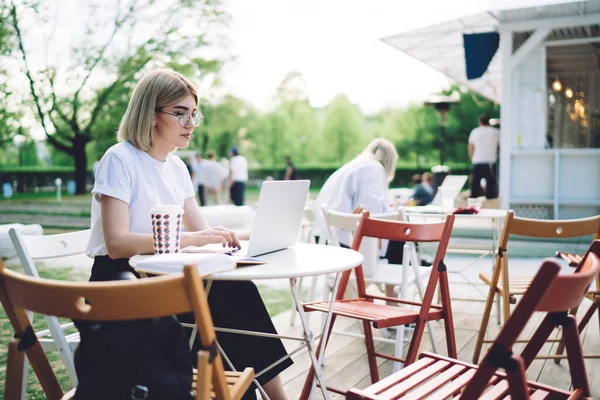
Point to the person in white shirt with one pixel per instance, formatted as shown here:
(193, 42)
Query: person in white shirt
(361, 184)
(483, 151)
(238, 176)
(140, 172)
(199, 178)
(214, 177)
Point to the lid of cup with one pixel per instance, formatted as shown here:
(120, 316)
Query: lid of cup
(166, 208)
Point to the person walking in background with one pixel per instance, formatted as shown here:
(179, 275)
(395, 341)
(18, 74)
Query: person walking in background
(213, 177)
(291, 174)
(238, 176)
(199, 177)
(189, 164)
(224, 169)
(483, 151)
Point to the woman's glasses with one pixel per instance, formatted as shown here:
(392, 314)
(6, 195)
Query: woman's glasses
(185, 119)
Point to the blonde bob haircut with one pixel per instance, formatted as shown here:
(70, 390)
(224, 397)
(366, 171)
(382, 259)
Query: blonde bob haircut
(159, 88)
(384, 151)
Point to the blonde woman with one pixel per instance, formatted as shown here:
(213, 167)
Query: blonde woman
(140, 172)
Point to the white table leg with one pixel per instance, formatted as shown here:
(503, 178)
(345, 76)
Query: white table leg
(310, 342)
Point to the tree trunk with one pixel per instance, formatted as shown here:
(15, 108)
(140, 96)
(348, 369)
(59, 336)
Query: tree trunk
(80, 158)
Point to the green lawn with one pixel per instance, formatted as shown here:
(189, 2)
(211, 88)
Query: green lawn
(276, 300)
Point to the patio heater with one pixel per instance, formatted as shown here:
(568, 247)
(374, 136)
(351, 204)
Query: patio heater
(442, 105)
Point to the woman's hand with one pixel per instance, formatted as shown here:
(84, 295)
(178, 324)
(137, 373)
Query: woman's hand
(216, 234)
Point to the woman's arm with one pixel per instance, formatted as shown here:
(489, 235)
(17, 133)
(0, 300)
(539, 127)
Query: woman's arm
(121, 243)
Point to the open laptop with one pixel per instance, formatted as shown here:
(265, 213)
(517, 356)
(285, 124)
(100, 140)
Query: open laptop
(455, 182)
(278, 217)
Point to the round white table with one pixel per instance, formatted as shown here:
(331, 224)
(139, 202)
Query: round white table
(300, 260)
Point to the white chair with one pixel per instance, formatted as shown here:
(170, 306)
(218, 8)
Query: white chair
(31, 248)
(378, 271)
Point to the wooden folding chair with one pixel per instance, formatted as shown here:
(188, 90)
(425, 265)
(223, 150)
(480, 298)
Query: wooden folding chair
(366, 310)
(509, 287)
(386, 274)
(593, 295)
(114, 301)
(32, 248)
(438, 377)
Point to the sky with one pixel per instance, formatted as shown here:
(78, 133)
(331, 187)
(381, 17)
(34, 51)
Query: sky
(336, 45)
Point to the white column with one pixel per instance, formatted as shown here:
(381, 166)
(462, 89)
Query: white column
(506, 123)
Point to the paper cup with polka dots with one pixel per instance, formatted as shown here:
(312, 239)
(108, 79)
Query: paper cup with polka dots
(166, 228)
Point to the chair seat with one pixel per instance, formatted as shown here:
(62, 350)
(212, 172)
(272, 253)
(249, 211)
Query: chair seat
(237, 382)
(440, 377)
(380, 315)
(518, 284)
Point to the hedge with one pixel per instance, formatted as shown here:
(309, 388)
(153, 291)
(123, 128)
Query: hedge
(37, 177)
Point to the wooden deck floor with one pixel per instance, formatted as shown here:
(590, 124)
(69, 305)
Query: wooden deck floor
(346, 363)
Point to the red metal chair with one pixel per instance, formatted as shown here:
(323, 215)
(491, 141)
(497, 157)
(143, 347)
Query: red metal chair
(440, 377)
(365, 309)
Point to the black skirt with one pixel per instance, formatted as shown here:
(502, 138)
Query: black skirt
(234, 305)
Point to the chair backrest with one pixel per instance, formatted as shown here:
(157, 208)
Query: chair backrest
(31, 248)
(407, 232)
(537, 228)
(556, 229)
(119, 300)
(349, 222)
(549, 292)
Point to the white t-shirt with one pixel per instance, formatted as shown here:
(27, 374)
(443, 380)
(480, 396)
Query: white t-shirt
(213, 174)
(485, 139)
(360, 182)
(199, 173)
(133, 176)
(239, 168)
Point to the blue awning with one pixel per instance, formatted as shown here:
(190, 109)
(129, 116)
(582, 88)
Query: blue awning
(479, 51)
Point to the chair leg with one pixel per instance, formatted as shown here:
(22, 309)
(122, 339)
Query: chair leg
(485, 319)
(561, 345)
(415, 342)
(537, 340)
(15, 364)
(517, 380)
(370, 344)
(575, 356)
(448, 318)
(505, 292)
(204, 376)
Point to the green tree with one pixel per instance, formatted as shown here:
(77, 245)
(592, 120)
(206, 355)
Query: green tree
(342, 129)
(223, 126)
(84, 103)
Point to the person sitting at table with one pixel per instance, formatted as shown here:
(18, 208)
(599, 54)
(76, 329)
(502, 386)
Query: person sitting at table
(362, 182)
(422, 191)
(140, 172)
